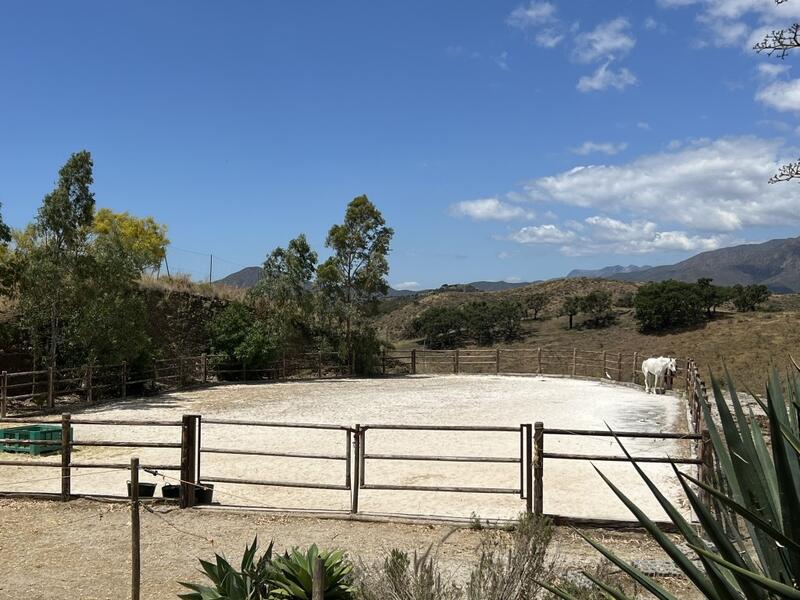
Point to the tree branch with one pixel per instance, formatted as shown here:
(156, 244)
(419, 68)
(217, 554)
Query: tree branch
(787, 173)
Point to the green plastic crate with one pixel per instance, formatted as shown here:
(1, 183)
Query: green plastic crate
(33, 433)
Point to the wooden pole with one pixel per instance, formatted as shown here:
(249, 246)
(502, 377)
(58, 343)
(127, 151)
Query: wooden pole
(538, 469)
(413, 362)
(155, 375)
(635, 367)
(497, 362)
(3, 394)
(66, 457)
(539, 359)
(455, 361)
(283, 359)
(318, 580)
(204, 366)
(707, 468)
(605, 368)
(574, 361)
(181, 372)
(50, 398)
(135, 532)
(89, 398)
(383, 361)
(319, 365)
(188, 454)
(528, 469)
(619, 366)
(124, 379)
(356, 481)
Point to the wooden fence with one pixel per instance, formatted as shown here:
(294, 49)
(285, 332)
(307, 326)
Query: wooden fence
(354, 458)
(52, 390)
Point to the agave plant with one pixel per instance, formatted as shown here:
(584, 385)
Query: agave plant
(749, 547)
(250, 582)
(292, 574)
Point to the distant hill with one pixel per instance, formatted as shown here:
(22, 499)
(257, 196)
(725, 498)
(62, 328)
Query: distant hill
(248, 277)
(606, 272)
(775, 263)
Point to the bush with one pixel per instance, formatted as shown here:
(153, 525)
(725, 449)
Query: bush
(747, 298)
(597, 304)
(401, 578)
(242, 338)
(668, 304)
(440, 327)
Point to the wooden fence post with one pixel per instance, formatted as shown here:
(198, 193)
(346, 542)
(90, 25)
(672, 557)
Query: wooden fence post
(528, 462)
(538, 469)
(605, 368)
(244, 371)
(50, 398)
(124, 379)
(455, 361)
(706, 469)
(635, 367)
(319, 366)
(89, 394)
(497, 362)
(574, 361)
(135, 532)
(66, 457)
(356, 479)
(3, 393)
(283, 363)
(413, 362)
(619, 366)
(188, 449)
(155, 375)
(204, 366)
(539, 359)
(383, 361)
(318, 580)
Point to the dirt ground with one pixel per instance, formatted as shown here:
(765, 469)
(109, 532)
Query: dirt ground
(81, 549)
(571, 487)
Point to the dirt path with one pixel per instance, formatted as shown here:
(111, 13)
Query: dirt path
(82, 549)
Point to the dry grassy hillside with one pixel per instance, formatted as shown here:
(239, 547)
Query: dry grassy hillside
(402, 311)
(747, 342)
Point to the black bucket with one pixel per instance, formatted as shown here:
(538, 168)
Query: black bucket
(146, 490)
(170, 490)
(204, 493)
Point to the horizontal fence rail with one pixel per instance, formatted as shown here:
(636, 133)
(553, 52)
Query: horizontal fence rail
(196, 437)
(31, 392)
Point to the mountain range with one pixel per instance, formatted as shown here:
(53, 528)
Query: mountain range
(775, 263)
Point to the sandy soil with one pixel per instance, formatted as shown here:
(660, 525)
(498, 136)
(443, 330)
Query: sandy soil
(571, 487)
(81, 549)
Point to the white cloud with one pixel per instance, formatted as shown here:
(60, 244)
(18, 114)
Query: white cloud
(783, 96)
(734, 22)
(549, 38)
(650, 23)
(534, 14)
(542, 234)
(708, 185)
(605, 77)
(610, 39)
(489, 209)
(406, 285)
(604, 235)
(771, 70)
(590, 147)
(502, 61)
(644, 126)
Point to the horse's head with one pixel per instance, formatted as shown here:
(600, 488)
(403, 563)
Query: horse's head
(672, 366)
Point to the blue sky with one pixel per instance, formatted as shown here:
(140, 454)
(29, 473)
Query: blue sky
(502, 140)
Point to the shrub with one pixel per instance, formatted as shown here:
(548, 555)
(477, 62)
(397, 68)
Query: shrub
(597, 304)
(668, 304)
(401, 578)
(747, 298)
(440, 327)
(291, 574)
(537, 303)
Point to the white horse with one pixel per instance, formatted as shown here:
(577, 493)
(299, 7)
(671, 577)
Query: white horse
(658, 368)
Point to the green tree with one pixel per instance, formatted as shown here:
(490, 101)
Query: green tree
(356, 273)
(5, 231)
(711, 295)
(237, 333)
(537, 302)
(56, 245)
(507, 316)
(747, 298)
(668, 304)
(440, 327)
(597, 304)
(571, 307)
